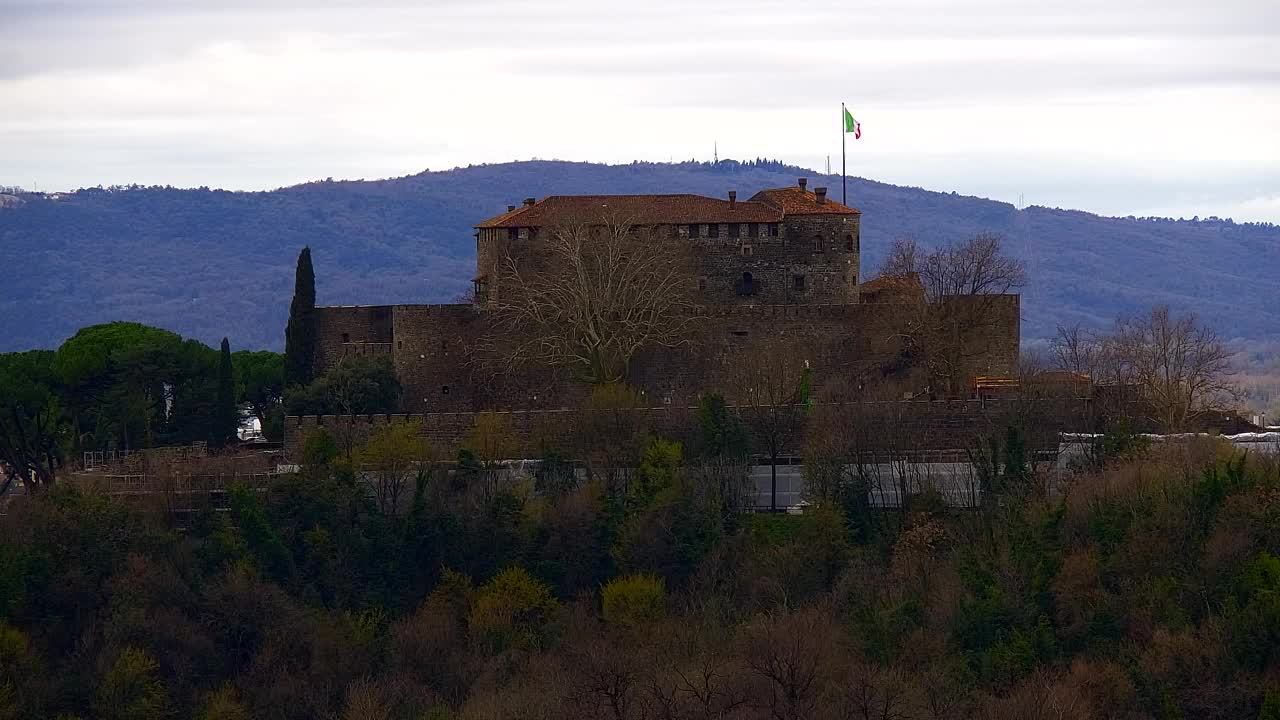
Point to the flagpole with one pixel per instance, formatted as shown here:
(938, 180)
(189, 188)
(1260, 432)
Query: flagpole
(844, 190)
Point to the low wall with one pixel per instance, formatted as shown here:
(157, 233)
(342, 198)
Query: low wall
(910, 426)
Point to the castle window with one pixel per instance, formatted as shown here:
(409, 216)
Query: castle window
(713, 231)
(513, 233)
(817, 243)
(739, 333)
(746, 251)
(734, 230)
(675, 231)
(747, 285)
(850, 243)
(702, 284)
(346, 338)
(797, 283)
(399, 344)
(753, 230)
(444, 389)
(773, 229)
(693, 231)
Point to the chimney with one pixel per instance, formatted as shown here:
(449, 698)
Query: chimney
(733, 198)
(510, 208)
(528, 202)
(803, 182)
(822, 195)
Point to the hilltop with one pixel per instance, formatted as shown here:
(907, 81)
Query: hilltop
(207, 263)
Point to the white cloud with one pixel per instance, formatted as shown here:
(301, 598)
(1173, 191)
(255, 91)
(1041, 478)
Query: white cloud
(1110, 106)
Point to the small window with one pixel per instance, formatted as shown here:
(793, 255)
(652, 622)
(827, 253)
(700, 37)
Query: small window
(399, 344)
(693, 231)
(817, 243)
(850, 244)
(797, 282)
(753, 230)
(739, 333)
(734, 230)
(675, 231)
(346, 338)
(746, 251)
(513, 233)
(773, 229)
(702, 284)
(713, 231)
(444, 389)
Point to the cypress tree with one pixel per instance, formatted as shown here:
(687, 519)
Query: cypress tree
(226, 416)
(300, 335)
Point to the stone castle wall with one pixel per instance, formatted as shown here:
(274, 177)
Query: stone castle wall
(899, 428)
(433, 349)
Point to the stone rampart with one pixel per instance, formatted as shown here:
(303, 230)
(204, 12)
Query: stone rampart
(898, 426)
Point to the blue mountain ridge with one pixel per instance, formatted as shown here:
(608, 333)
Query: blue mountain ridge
(208, 263)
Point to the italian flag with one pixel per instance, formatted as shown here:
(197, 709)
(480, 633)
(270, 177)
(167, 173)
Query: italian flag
(851, 125)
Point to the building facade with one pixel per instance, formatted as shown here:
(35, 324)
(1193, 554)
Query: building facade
(781, 269)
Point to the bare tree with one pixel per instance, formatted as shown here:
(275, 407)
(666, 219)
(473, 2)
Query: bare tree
(1079, 350)
(595, 293)
(963, 285)
(1181, 367)
(772, 394)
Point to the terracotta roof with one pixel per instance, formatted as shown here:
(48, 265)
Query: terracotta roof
(636, 209)
(797, 201)
(906, 283)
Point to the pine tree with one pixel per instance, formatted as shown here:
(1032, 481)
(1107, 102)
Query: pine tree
(227, 417)
(300, 335)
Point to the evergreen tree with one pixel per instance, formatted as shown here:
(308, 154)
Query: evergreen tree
(227, 416)
(300, 335)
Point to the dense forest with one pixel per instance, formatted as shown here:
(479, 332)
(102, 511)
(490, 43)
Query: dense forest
(379, 582)
(210, 263)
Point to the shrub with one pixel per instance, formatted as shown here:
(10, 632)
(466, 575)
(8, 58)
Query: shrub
(633, 599)
(512, 610)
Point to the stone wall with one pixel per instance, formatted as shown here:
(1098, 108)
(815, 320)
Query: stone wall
(433, 349)
(897, 428)
(343, 330)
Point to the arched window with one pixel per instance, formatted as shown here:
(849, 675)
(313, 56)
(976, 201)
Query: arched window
(747, 285)
(850, 243)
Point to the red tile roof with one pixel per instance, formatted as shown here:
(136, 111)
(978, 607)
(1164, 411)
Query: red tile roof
(904, 283)
(635, 209)
(796, 201)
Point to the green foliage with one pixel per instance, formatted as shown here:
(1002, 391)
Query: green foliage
(633, 599)
(260, 386)
(138, 386)
(261, 538)
(226, 415)
(130, 689)
(1270, 706)
(300, 333)
(319, 449)
(721, 433)
(357, 386)
(35, 429)
(511, 611)
(1119, 443)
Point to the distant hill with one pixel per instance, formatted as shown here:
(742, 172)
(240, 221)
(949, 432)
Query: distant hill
(208, 263)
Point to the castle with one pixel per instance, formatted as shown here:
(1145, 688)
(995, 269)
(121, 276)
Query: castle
(780, 270)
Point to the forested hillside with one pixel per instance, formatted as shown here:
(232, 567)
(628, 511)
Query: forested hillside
(208, 263)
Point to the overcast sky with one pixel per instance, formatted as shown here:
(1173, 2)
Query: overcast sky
(1113, 106)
